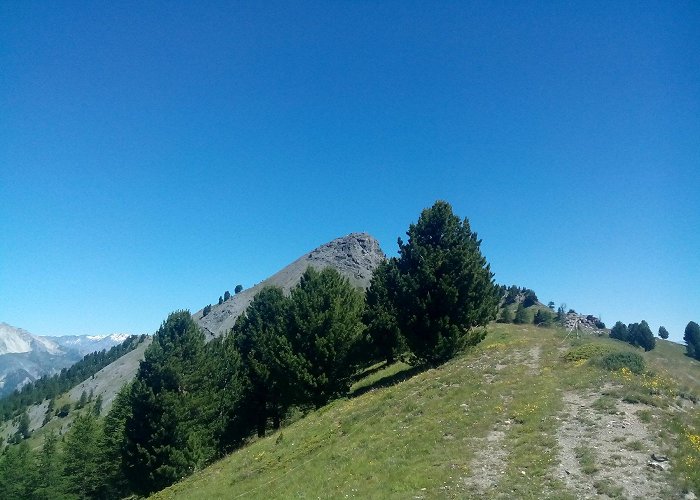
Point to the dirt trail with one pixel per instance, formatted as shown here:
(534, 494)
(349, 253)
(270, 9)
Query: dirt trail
(605, 450)
(490, 461)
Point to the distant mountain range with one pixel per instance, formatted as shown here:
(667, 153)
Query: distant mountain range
(25, 357)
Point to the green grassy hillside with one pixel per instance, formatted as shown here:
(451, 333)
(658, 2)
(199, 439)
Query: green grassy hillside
(512, 418)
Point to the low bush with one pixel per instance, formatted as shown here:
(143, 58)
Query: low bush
(618, 360)
(588, 351)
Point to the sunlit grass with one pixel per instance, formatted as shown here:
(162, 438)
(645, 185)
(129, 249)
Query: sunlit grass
(404, 433)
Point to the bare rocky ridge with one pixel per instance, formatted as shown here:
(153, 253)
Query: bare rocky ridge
(355, 256)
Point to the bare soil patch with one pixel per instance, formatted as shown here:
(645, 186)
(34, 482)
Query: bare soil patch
(606, 450)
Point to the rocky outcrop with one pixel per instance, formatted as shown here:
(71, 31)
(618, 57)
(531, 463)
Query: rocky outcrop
(355, 256)
(587, 324)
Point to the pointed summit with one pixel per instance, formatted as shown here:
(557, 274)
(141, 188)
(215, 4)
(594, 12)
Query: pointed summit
(355, 256)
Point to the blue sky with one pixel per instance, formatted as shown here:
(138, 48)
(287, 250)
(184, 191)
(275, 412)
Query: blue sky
(155, 154)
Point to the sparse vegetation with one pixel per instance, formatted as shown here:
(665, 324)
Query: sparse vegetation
(588, 350)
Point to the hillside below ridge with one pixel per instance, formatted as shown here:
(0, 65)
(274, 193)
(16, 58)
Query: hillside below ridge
(355, 256)
(511, 418)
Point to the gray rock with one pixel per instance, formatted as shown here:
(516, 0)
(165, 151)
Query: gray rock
(355, 256)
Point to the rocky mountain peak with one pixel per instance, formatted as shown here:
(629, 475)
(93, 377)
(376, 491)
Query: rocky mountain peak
(355, 256)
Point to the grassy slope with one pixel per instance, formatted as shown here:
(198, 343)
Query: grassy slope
(484, 424)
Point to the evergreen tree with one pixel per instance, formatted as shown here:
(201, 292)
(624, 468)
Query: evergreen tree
(380, 315)
(619, 332)
(238, 289)
(49, 477)
(506, 315)
(23, 428)
(164, 438)
(325, 329)
(17, 479)
(642, 336)
(227, 295)
(663, 333)
(542, 318)
(97, 407)
(530, 298)
(521, 316)
(113, 482)
(272, 367)
(82, 456)
(82, 401)
(561, 314)
(446, 287)
(230, 395)
(692, 339)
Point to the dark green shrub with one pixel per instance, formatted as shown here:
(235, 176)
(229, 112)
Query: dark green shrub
(619, 360)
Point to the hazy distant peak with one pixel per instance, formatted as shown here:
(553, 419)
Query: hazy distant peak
(17, 340)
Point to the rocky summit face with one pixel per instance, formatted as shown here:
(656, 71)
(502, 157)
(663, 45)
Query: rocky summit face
(355, 256)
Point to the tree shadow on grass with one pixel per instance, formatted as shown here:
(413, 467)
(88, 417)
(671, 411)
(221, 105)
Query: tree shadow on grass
(369, 371)
(389, 380)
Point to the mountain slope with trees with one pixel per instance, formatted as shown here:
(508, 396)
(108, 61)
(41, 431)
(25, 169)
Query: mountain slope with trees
(528, 413)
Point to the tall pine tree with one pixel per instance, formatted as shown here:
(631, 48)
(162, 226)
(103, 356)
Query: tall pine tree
(272, 366)
(164, 438)
(379, 316)
(325, 329)
(81, 454)
(446, 287)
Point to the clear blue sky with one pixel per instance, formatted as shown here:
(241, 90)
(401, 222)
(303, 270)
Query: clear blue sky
(155, 154)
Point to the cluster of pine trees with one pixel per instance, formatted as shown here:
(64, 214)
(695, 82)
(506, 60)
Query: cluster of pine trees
(637, 334)
(192, 401)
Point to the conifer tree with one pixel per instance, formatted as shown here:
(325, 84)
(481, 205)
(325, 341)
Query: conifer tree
(230, 395)
(663, 333)
(97, 407)
(446, 287)
(379, 317)
(542, 318)
(17, 478)
(642, 336)
(113, 482)
(272, 367)
(521, 316)
(23, 428)
(164, 438)
(691, 336)
(506, 315)
(325, 329)
(49, 478)
(619, 332)
(82, 450)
